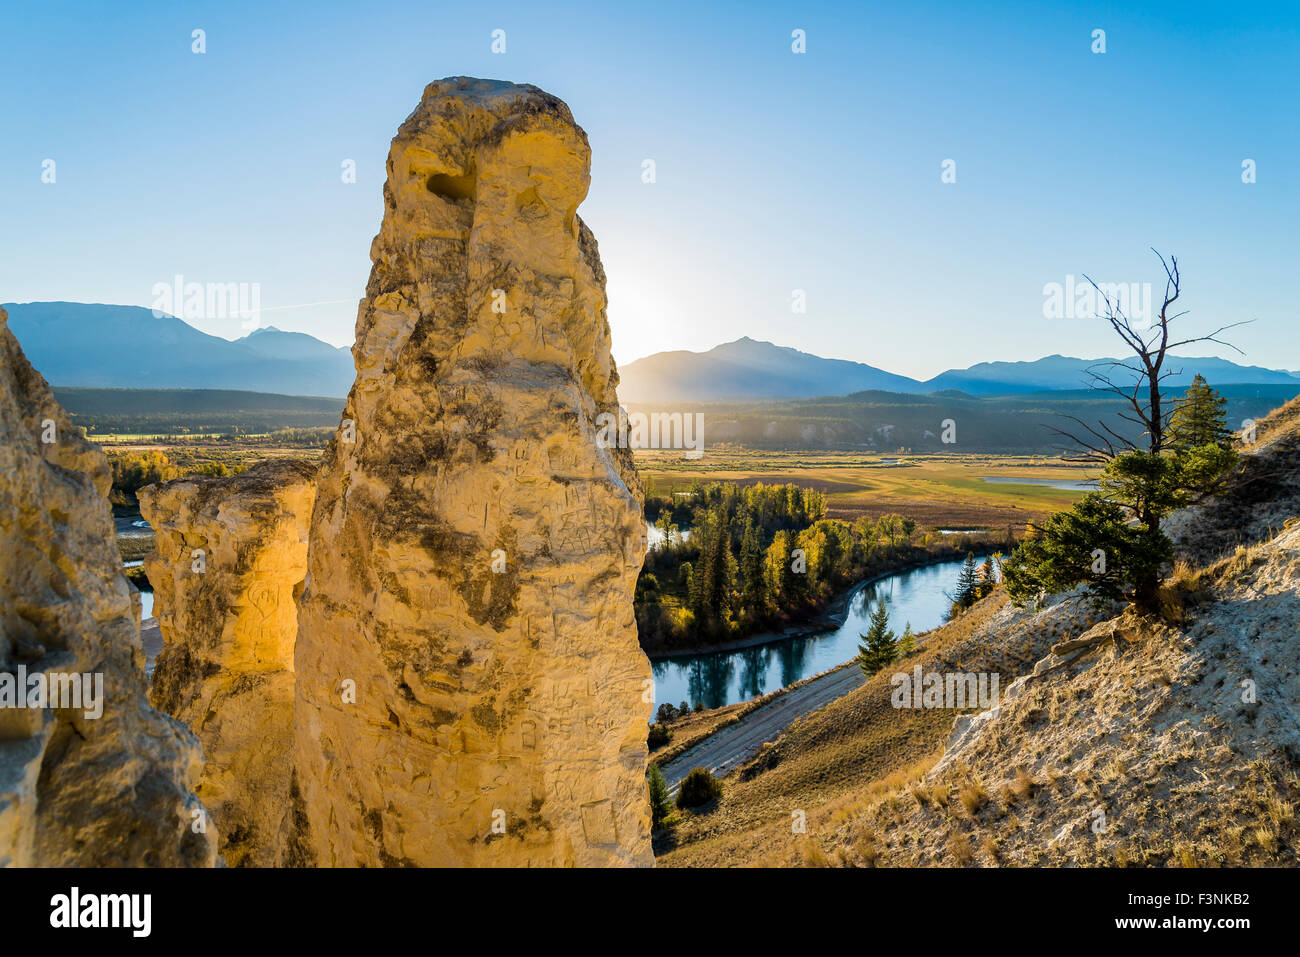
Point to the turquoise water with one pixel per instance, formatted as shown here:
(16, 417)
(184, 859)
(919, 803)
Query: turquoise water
(721, 678)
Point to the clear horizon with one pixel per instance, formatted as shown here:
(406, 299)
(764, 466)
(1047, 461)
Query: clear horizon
(774, 171)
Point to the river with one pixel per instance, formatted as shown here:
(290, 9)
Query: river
(1071, 485)
(724, 677)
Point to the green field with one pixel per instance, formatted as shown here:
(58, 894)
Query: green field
(881, 422)
(189, 414)
(938, 491)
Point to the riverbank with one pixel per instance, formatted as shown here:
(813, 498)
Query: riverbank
(832, 616)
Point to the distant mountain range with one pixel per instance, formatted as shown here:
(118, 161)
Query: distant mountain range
(127, 347)
(749, 369)
(93, 345)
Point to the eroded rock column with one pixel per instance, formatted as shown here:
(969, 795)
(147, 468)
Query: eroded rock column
(229, 563)
(470, 688)
(104, 780)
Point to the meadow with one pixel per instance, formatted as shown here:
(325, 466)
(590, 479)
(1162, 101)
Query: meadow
(937, 491)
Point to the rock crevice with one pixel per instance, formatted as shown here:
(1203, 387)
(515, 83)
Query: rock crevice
(77, 788)
(229, 563)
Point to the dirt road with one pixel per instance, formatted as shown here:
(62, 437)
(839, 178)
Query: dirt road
(737, 743)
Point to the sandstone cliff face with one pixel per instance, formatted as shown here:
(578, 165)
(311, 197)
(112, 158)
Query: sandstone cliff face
(77, 790)
(469, 683)
(229, 562)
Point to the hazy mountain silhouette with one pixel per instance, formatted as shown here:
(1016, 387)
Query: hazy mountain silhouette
(128, 347)
(97, 345)
(278, 344)
(748, 369)
(1053, 373)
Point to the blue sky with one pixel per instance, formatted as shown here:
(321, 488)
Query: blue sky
(775, 171)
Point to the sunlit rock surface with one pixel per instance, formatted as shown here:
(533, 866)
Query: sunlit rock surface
(229, 562)
(469, 685)
(78, 790)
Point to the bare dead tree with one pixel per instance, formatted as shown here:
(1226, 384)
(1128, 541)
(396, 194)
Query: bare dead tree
(1150, 483)
(1144, 404)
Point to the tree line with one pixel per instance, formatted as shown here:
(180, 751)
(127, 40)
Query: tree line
(735, 560)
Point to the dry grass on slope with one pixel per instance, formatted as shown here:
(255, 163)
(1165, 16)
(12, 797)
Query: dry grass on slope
(859, 745)
(1146, 750)
(1282, 421)
(1260, 495)
(1158, 742)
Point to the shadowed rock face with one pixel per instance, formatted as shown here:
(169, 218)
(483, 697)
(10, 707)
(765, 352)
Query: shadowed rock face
(229, 562)
(77, 790)
(469, 683)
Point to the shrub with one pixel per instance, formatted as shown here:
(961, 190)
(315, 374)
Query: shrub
(698, 787)
(973, 797)
(960, 849)
(658, 736)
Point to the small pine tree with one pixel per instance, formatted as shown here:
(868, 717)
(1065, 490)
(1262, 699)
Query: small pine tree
(661, 803)
(1199, 419)
(907, 641)
(877, 648)
(967, 592)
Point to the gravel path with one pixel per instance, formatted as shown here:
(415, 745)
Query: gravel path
(735, 744)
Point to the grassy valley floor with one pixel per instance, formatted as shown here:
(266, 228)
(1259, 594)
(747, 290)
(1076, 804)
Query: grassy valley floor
(936, 491)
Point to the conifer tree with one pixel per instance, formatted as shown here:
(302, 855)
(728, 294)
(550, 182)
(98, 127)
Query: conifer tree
(907, 641)
(661, 803)
(1199, 419)
(751, 568)
(967, 592)
(713, 595)
(877, 648)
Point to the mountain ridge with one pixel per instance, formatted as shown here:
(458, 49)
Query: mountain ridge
(132, 347)
(756, 369)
